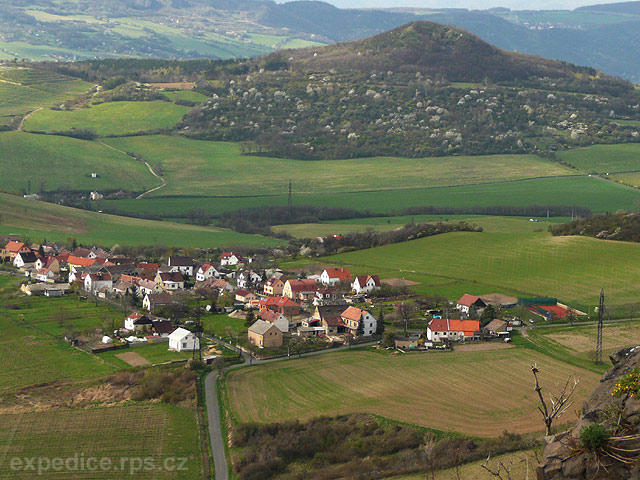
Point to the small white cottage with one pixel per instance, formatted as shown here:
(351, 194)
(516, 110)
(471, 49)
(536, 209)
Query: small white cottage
(182, 340)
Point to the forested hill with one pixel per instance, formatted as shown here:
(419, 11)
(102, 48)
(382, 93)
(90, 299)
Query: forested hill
(428, 90)
(618, 226)
(435, 50)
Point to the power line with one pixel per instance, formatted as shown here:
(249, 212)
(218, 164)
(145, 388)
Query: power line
(600, 324)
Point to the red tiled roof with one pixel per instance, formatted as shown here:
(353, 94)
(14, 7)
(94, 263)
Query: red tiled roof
(363, 279)
(303, 285)
(86, 262)
(469, 327)
(352, 313)
(243, 293)
(14, 246)
(280, 302)
(172, 277)
(333, 321)
(341, 273)
(468, 300)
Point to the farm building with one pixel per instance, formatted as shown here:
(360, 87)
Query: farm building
(95, 281)
(182, 340)
(443, 329)
(153, 301)
(467, 302)
(265, 335)
(170, 281)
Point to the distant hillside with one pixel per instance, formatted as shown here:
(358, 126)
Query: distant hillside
(632, 8)
(435, 50)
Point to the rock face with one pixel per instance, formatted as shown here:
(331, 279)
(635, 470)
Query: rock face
(563, 458)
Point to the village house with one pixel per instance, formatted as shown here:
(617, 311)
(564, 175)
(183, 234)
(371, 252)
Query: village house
(93, 282)
(46, 275)
(365, 284)
(122, 288)
(496, 328)
(25, 260)
(278, 319)
(467, 302)
(182, 340)
(13, 248)
(153, 301)
(283, 305)
(137, 322)
(273, 287)
(265, 335)
(326, 296)
(329, 318)
(334, 276)
(300, 289)
(51, 263)
(247, 279)
(162, 328)
(207, 271)
(353, 317)
(183, 265)
(244, 296)
(409, 342)
(170, 281)
(148, 287)
(443, 330)
(232, 259)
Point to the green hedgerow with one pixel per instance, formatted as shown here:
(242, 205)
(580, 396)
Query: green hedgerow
(594, 437)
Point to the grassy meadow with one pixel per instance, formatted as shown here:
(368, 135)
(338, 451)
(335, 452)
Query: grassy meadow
(23, 90)
(112, 118)
(121, 434)
(196, 167)
(39, 220)
(573, 269)
(69, 164)
(604, 158)
(451, 391)
(598, 195)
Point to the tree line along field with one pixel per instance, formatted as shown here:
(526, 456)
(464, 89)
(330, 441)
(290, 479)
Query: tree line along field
(450, 391)
(39, 220)
(123, 434)
(111, 118)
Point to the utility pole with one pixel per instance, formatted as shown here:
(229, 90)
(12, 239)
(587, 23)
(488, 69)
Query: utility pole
(198, 332)
(599, 337)
(290, 200)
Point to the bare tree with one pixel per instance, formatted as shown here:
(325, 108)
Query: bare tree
(406, 311)
(560, 403)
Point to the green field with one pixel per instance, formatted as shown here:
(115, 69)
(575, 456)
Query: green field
(195, 167)
(187, 95)
(111, 118)
(39, 220)
(488, 223)
(125, 435)
(450, 391)
(69, 164)
(604, 158)
(598, 195)
(23, 90)
(573, 269)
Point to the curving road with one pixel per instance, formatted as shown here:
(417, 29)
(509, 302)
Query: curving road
(213, 406)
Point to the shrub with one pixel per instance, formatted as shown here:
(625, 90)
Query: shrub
(628, 384)
(594, 437)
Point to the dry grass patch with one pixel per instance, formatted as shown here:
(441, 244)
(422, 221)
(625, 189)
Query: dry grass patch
(134, 359)
(479, 393)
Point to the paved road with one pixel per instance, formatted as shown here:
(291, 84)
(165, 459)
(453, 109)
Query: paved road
(213, 407)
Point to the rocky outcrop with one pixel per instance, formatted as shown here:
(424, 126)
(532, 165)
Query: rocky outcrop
(565, 459)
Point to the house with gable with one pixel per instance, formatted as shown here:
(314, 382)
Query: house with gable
(207, 271)
(96, 281)
(353, 318)
(183, 265)
(365, 284)
(265, 335)
(13, 248)
(282, 305)
(334, 276)
(467, 302)
(231, 259)
(137, 322)
(300, 289)
(445, 330)
(170, 281)
(273, 287)
(25, 260)
(154, 301)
